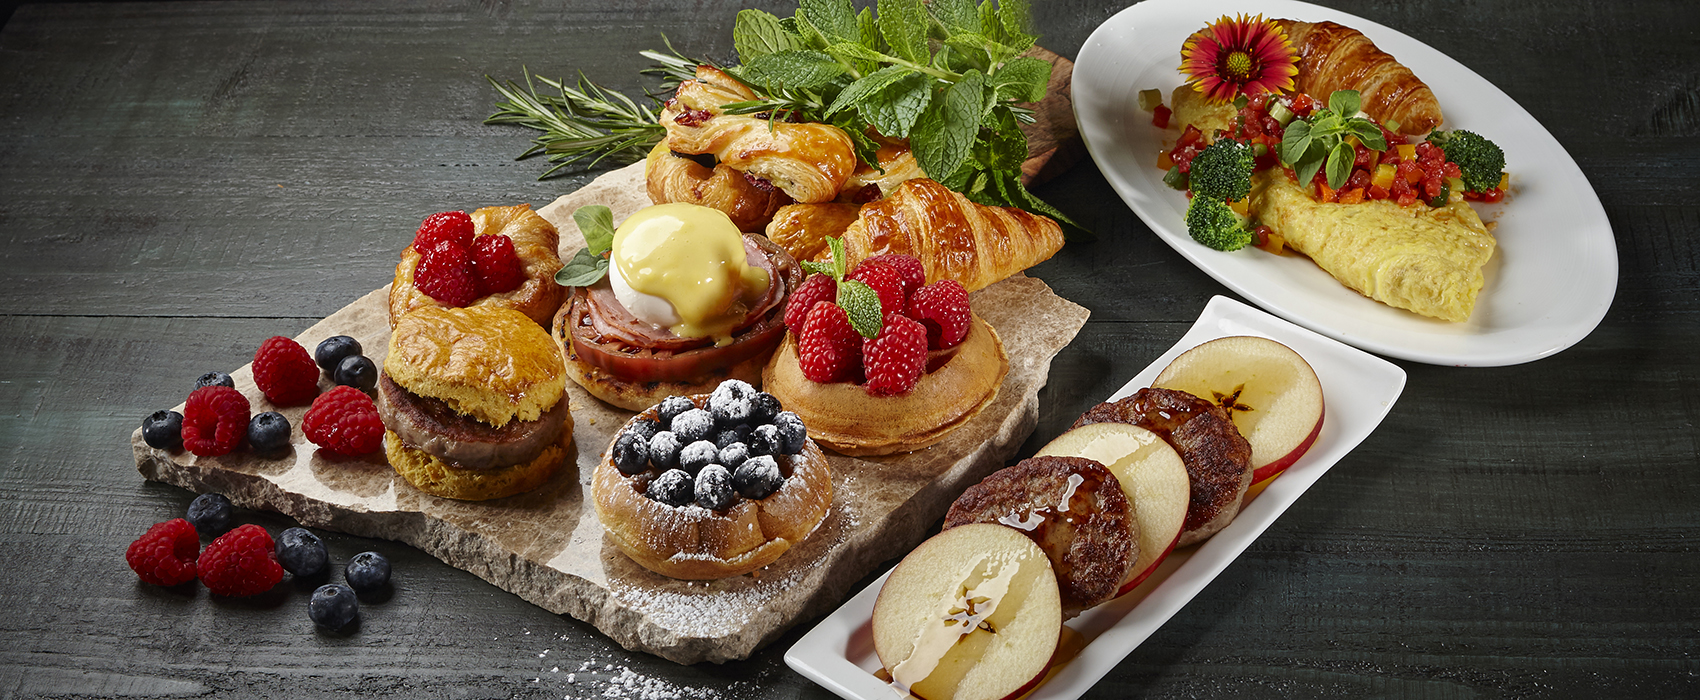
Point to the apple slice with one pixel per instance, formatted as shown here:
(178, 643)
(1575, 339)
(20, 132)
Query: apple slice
(1151, 474)
(1271, 393)
(972, 614)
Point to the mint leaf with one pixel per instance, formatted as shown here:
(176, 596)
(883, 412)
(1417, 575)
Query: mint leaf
(835, 19)
(838, 261)
(856, 52)
(583, 270)
(956, 15)
(596, 223)
(1015, 19)
(894, 109)
(793, 69)
(942, 141)
(867, 85)
(817, 268)
(1022, 79)
(1000, 146)
(757, 33)
(862, 304)
(903, 23)
(812, 36)
(868, 34)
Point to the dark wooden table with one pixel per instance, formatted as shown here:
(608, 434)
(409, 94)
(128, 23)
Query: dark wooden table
(179, 181)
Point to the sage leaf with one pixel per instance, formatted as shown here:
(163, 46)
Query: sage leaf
(583, 270)
(596, 223)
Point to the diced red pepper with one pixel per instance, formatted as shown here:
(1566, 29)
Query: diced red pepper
(1493, 195)
(1160, 117)
(1376, 192)
(1190, 137)
(1352, 196)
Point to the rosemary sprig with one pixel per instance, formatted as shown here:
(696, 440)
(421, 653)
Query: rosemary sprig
(585, 120)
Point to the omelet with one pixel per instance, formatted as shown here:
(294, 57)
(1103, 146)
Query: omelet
(1421, 259)
(1190, 108)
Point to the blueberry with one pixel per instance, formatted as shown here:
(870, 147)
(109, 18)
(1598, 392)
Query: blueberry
(645, 427)
(211, 514)
(671, 407)
(714, 488)
(674, 487)
(356, 371)
(631, 453)
(763, 408)
(163, 430)
(333, 606)
(730, 404)
(791, 431)
(367, 572)
(697, 455)
(664, 450)
(736, 433)
(301, 552)
(693, 425)
(214, 379)
(268, 432)
(765, 440)
(332, 350)
(733, 455)
(757, 478)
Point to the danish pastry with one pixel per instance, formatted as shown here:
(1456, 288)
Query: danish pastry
(535, 241)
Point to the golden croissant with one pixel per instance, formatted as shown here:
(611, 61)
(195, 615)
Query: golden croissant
(810, 162)
(802, 229)
(954, 238)
(674, 178)
(1334, 57)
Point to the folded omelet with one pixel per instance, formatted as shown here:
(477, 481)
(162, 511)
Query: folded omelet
(1422, 259)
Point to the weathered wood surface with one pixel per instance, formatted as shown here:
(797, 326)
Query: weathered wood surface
(181, 180)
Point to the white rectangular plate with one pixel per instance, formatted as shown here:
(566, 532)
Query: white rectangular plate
(1358, 390)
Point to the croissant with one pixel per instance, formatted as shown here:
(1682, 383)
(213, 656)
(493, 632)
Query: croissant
(802, 229)
(810, 162)
(1334, 57)
(955, 238)
(670, 177)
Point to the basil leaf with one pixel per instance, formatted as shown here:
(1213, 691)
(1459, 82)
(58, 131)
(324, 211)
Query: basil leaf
(942, 141)
(895, 109)
(1022, 79)
(1344, 103)
(867, 85)
(1340, 164)
(1309, 163)
(596, 224)
(903, 23)
(794, 69)
(1295, 141)
(1368, 133)
(757, 33)
(583, 270)
(836, 19)
(862, 304)
(956, 15)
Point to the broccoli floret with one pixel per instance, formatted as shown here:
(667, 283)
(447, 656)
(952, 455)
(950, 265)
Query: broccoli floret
(1480, 160)
(1213, 224)
(1222, 171)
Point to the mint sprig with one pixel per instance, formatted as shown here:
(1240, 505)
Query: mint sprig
(588, 266)
(1309, 144)
(859, 301)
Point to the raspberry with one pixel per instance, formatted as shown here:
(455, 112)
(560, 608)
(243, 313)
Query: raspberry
(242, 562)
(445, 273)
(165, 556)
(817, 287)
(896, 359)
(886, 281)
(345, 421)
(285, 373)
(452, 226)
(943, 308)
(215, 420)
(828, 349)
(914, 274)
(496, 265)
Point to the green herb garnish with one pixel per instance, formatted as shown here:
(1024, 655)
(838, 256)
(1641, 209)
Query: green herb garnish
(588, 266)
(1320, 139)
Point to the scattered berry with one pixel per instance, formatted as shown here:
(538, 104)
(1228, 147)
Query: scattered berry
(214, 379)
(344, 421)
(817, 287)
(828, 349)
(693, 425)
(445, 273)
(356, 371)
(731, 402)
(792, 434)
(331, 350)
(163, 430)
(765, 440)
(454, 227)
(215, 419)
(301, 552)
(714, 488)
(165, 555)
(908, 267)
(943, 308)
(211, 514)
(242, 562)
(631, 452)
(736, 433)
(495, 264)
(672, 406)
(674, 487)
(664, 450)
(757, 478)
(763, 408)
(285, 372)
(895, 359)
(886, 281)
(367, 572)
(268, 432)
(733, 455)
(697, 455)
(333, 606)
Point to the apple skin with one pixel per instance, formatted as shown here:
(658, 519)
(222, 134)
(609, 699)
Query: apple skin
(1278, 385)
(1140, 577)
(1274, 469)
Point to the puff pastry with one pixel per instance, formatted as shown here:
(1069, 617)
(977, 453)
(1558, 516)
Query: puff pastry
(1334, 57)
(673, 178)
(953, 237)
(802, 229)
(535, 242)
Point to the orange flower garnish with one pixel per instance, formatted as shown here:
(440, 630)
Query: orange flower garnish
(1248, 55)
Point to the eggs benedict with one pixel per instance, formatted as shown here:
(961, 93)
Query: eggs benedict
(688, 302)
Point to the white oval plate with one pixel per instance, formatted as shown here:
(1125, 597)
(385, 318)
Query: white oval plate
(1548, 286)
(1358, 390)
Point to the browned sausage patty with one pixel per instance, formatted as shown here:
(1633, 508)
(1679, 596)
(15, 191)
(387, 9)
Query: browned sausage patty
(1074, 509)
(1217, 457)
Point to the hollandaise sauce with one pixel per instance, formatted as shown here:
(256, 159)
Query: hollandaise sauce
(693, 258)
